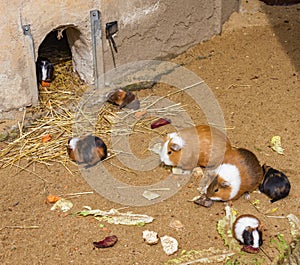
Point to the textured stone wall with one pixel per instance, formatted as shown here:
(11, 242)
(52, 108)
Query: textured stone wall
(162, 29)
(148, 29)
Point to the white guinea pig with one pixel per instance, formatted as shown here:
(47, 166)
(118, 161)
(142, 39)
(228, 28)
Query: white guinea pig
(247, 230)
(239, 173)
(201, 145)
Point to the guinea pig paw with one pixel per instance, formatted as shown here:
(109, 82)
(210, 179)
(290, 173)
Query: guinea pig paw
(228, 203)
(247, 196)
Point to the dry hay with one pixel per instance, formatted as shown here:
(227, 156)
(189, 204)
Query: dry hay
(55, 117)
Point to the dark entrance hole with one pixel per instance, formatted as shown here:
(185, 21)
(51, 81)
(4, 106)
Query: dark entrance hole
(55, 47)
(53, 51)
(59, 47)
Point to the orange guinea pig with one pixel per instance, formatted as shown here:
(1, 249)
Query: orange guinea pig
(239, 173)
(201, 145)
(87, 150)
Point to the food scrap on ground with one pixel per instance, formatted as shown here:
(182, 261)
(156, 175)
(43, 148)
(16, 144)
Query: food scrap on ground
(150, 237)
(149, 195)
(45, 83)
(113, 216)
(224, 228)
(180, 171)
(53, 198)
(107, 242)
(203, 200)
(294, 225)
(63, 205)
(250, 249)
(46, 138)
(160, 122)
(276, 144)
(204, 256)
(156, 148)
(169, 244)
(176, 224)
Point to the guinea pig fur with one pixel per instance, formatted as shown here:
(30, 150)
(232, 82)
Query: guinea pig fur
(201, 145)
(239, 173)
(247, 230)
(87, 150)
(275, 184)
(44, 70)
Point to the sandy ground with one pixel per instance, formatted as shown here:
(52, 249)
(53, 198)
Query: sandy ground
(253, 71)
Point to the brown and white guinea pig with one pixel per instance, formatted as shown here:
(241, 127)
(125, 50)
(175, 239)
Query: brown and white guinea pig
(240, 173)
(87, 150)
(200, 145)
(247, 230)
(275, 184)
(123, 99)
(44, 71)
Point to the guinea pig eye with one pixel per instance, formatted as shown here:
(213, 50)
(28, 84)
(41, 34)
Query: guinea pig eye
(170, 152)
(216, 190)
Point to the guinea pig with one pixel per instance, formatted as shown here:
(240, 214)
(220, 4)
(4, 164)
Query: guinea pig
(275, 184)
(247, 230)
(123, 99)
(201, 145)
(44, 71)
(87, 150)
(239, 173)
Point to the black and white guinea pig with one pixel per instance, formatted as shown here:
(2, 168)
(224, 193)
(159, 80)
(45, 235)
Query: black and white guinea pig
(123, 99)
(44, 71)
(240, 173)
(200, 145)
(275, 184)
(87, 150)
(247, 230)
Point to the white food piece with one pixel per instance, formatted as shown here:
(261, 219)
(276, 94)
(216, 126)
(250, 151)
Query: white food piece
(176, 224)
(156, 148)
(196, 198)
(198, 172)
(170, 244)
(149, 195)
(150, 237)
(180, 171)
(63, 205)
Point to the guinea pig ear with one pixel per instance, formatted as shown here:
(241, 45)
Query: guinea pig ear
(225, 184)
(265, 168)
(175, 147)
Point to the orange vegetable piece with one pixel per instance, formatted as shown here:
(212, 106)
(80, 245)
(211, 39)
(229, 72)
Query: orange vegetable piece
(53, 198)
(46, 138)
(45, 83)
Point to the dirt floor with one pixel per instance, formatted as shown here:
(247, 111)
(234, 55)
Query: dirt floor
(253, 71)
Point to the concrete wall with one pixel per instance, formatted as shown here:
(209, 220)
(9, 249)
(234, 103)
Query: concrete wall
(148, 29)
(163, 29)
